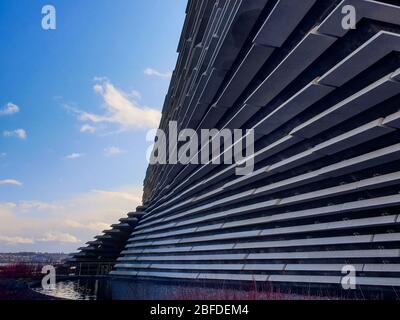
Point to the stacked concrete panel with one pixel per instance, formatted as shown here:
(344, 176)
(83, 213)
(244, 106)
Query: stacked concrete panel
(324, 103)
(99, 256)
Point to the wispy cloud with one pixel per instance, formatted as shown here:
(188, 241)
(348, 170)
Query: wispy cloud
(155, 73)
(8, 109)
(15, 240)
(19, 133)
(113, 151)
(116, 195)
(92, 226)
(87, 128)
(38, 206)
(11, 182)
(74, 156)
(59, 237)
(3, 155)
(121, 109)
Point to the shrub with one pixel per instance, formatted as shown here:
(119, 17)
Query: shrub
(20, 270)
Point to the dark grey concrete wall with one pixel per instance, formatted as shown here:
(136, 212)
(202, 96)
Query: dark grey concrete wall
(324, 103)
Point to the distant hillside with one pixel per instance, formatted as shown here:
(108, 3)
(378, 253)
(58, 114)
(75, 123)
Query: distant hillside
(32, 257)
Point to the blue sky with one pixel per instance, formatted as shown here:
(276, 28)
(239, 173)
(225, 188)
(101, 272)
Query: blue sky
(75, 106)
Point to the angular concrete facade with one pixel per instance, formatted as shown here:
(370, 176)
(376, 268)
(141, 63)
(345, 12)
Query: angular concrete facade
(324, 104)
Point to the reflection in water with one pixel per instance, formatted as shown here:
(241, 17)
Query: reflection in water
(83, 289)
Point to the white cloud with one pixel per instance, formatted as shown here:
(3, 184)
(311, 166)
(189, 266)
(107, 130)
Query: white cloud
(88, 128)
(121, 110)
(15, 240)
(11, 182)
(113, 151)
(74, 156)
(19, 133)
(112, 195)
(3, 155)
(92, 226)
(59, 237)
(77, 220)
(98, 226)
(155, 73)
(9, 109)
